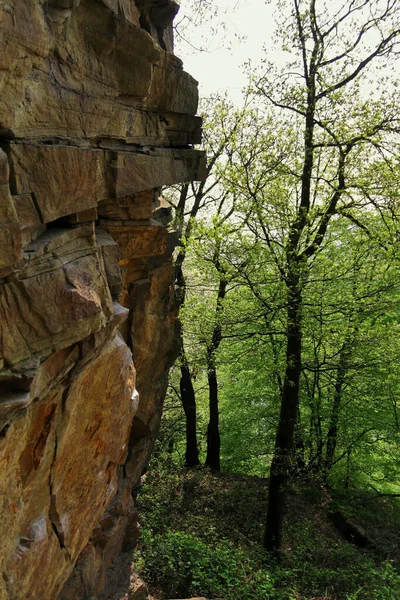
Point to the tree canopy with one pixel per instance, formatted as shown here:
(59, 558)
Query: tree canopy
(290, 261)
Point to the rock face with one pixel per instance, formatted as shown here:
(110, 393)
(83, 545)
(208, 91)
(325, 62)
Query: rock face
(96, 114)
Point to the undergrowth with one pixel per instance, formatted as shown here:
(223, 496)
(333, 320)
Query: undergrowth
(201, 536)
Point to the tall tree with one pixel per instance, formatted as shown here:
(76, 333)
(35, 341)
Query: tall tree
(334, 49)
(191, 201)
(337, 126)
(209, 248)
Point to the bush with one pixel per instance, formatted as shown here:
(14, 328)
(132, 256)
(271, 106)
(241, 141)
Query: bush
(202, 537)
(182, 565)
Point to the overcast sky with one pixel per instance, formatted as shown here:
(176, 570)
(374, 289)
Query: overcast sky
(220, 67)
(248, 35)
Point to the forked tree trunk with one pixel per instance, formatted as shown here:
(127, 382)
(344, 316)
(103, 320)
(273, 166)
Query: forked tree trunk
(213, 435)
(187, 392)
(189, 406)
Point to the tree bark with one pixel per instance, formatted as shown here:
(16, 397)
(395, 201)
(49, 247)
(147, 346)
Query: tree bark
(187, 392)
(334, 420)
(281, 462)
(341, 373)
(295, 261)
(299, 465)
(189, 406)
(213, 435)
(347, 475)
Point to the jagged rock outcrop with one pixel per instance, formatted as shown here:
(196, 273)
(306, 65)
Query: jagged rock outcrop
(96, 114)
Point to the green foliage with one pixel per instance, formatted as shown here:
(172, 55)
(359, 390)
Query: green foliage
(202, 536)
(182, 564)
(351, 301)
(299, 223)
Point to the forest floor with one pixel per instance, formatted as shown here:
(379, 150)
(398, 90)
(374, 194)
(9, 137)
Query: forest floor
(202, 534)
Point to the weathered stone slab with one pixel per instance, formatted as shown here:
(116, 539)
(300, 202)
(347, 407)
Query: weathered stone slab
(10, 230)
(137, 238)
(52, 309)
(136, 172)
(12, 403)
(153, 333)
(120, 313)
(136, 206)
(23, 34)
(42, 499)
(111, 253)
(10, 246)
(127, 8)
(29, 219)
(87, 69)
(172, 89)
(176, 123)
(26, 455)
(46, 172)
(55, 248)
(102, 47)
(65, 180)
(108, 50)
(105, 425)
(84, 216)
(95, 116)
(27, 213)
(53, 370)
(59, 111)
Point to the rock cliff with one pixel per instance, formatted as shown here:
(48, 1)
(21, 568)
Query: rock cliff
(96, 114)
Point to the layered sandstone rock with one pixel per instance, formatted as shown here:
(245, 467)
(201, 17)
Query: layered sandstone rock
(96, 114)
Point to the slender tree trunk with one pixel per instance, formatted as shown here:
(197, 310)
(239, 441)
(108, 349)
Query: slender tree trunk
(189, 406)
(347, 476)
(213, 435)
(299, 465)
(333, 425)
(316, 416)
(187, 392)
(316, 461)
(336, 406)
(281, 462)
(314, 441)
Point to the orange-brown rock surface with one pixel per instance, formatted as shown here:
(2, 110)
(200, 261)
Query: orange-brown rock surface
(96, 114)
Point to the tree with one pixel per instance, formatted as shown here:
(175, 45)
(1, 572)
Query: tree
(336, 127)
(319, 151)
(194, 15)
(210, 238)
(191, 201)
(352, 287)
(351, 294)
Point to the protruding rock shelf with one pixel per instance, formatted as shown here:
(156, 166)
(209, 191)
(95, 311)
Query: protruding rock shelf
(96, 114)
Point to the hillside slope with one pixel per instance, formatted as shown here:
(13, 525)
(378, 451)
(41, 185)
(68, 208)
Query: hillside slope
(201, 535)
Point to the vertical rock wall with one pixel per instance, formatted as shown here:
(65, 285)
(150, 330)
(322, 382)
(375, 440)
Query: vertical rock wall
(96, 113)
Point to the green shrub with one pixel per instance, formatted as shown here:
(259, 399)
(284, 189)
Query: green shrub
(202, 537)
(182, 565)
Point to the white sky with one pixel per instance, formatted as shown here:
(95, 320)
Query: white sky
(220, 68)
